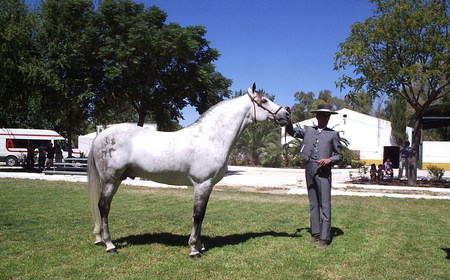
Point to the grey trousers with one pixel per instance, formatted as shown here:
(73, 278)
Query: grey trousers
(318, 182)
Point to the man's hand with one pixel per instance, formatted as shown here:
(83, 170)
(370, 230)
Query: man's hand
(287, 108)
(324, 161)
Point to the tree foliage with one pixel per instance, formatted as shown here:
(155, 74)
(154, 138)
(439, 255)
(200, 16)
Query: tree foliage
(19, 101)
(403, 51)
(158, 68)
(68, 63)
(64, 51)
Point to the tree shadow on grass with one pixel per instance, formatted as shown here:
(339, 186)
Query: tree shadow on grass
(447, 250)
(171, 239)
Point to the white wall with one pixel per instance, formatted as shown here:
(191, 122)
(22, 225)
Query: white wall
(436, 153)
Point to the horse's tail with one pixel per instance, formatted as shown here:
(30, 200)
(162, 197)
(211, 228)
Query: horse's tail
(94, 190)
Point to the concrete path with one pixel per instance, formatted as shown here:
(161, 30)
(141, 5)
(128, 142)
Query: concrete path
(272, 180)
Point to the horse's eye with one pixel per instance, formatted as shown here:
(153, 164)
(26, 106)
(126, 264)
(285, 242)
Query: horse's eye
(264, 100)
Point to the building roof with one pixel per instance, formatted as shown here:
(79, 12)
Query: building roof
(436, 116)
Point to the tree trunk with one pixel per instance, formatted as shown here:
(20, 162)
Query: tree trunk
(413, 160)
(142, 115)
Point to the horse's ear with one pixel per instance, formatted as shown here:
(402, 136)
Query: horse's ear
(254, 87)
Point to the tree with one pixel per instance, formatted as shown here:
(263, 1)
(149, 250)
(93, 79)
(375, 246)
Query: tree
(300, 110)
(64, 49)
(362, 103)
(306, 102)
(398, 120)
(158, 68)
(402, 51)
(17, 52)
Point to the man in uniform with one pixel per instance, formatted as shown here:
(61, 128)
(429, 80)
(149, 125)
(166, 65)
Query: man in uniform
(321, 150)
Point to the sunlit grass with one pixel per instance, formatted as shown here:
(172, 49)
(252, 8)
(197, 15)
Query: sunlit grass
(46, 234)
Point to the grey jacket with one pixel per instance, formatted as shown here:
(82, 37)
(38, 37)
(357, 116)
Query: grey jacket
(317, 144)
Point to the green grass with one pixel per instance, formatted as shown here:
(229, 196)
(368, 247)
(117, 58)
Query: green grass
(45, 233)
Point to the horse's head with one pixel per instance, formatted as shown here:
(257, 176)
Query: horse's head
(264, 108)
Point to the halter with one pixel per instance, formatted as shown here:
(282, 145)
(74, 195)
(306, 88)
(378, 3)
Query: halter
(253, 99)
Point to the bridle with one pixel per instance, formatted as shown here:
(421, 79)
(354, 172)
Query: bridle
(256, 103)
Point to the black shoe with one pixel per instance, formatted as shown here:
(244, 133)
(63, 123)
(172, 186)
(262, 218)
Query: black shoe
(314, 238)
(322, 244)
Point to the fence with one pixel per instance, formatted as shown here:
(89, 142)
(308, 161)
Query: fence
(70, 166)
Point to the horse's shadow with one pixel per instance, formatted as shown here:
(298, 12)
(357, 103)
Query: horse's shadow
(447, 250)
(171, 239)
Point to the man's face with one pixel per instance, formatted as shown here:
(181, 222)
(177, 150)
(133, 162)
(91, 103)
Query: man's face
(322, 119)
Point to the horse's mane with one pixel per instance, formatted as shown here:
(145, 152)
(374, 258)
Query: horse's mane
(223, 102)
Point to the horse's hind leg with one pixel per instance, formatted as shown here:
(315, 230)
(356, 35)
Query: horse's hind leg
(104, 206)
(201, 197)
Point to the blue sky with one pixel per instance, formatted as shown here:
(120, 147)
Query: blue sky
(284, 46)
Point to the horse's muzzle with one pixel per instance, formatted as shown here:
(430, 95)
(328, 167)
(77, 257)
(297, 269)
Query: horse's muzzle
(282, 117)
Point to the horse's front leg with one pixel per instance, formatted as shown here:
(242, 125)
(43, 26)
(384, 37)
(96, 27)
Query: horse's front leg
(201, 197)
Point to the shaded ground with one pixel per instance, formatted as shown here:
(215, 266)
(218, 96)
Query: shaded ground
(404, 183)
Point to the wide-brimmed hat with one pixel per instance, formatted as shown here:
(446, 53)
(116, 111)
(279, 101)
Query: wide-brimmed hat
(322, 108)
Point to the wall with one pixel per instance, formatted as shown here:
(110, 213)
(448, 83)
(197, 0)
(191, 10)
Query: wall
(436, 153)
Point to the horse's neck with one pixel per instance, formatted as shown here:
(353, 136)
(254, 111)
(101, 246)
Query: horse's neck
(226, 121)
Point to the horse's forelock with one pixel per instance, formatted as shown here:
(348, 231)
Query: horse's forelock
(259, 95)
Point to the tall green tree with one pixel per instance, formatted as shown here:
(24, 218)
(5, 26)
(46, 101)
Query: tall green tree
(402, 51)
(306, 102)
(65, 49)
(303, 104)
(157, 68)
(17, 52)
(398, 120)
(362, 103)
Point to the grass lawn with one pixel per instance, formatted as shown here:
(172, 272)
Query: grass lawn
(46, 233)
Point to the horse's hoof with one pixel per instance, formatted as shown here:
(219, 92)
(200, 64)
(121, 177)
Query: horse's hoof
(195, 255)
(112, 251)
(100, 243)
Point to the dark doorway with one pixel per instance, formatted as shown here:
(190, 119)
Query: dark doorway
(393, 153)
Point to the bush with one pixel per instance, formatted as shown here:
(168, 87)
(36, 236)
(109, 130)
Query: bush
(436, 173)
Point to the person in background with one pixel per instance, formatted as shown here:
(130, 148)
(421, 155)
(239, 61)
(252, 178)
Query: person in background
(58, 154)
(388, 171)
(380, 172)
(321, 150)
(405, 152)
(29, 163)
(373, 172)
(41, 157)
(50, 155)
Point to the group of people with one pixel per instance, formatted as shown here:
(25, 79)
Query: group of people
(386, 169)
(47, 154)
(378, 174)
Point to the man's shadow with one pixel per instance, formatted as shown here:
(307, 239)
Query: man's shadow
(335, 232)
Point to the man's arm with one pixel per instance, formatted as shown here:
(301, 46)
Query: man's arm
(337, 148)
